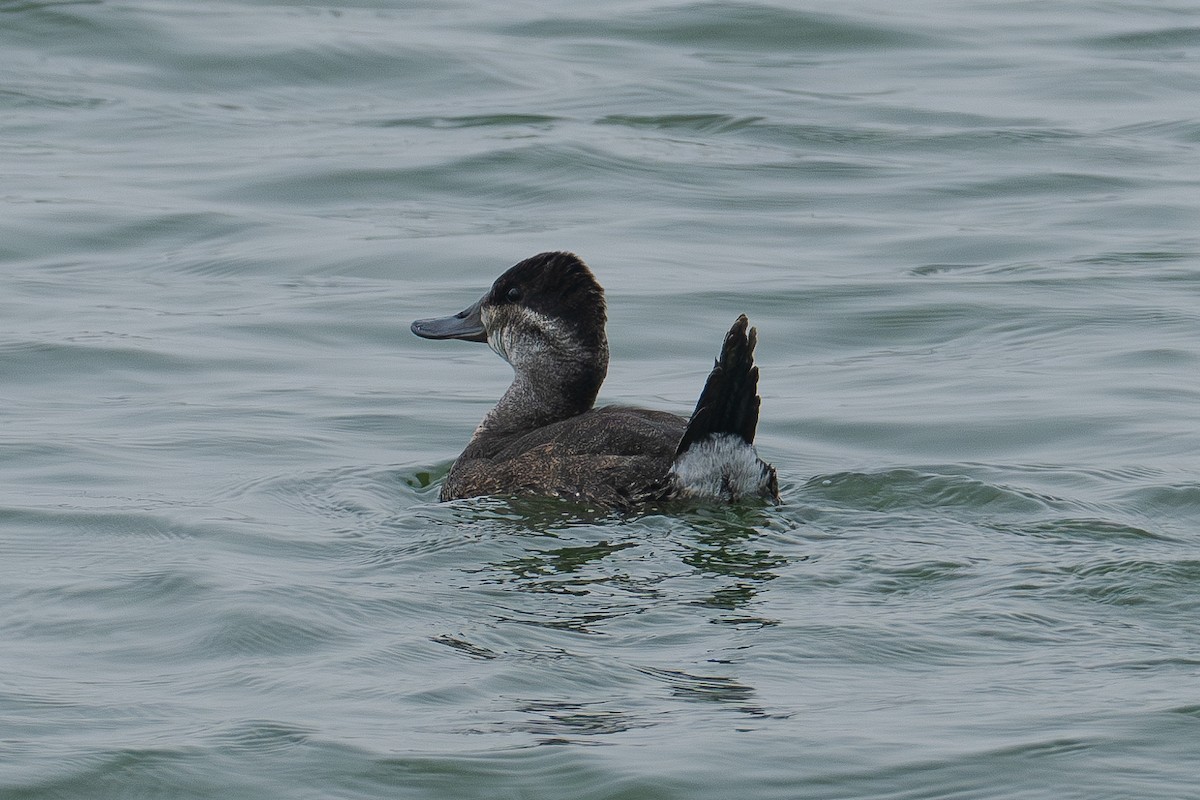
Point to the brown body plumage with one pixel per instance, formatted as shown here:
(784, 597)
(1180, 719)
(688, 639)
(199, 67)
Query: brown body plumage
(546, 317)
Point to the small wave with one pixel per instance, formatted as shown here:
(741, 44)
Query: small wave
(1077, 529)
(263, 633)
(463, 646)
(1163, 41)
(1135, 582)
(1185, 130)
(710, 688)
(701, 123)
(504, 120)
(735, 26)
(565, 720)
(354, 492)
(262, 736)
(906, 488)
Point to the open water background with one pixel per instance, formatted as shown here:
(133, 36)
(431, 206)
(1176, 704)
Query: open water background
(967, 233)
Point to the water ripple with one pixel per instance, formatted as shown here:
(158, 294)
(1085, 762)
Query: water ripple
(966, 233)
(762, 28)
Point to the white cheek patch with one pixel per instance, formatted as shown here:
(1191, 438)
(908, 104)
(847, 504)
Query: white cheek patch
(522, 337)
(497, 328)
(496, 342)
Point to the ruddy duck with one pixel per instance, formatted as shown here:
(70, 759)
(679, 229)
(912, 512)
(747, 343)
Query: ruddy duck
(546, 316)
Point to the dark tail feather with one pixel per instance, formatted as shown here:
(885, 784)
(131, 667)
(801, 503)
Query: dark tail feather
(730, 401)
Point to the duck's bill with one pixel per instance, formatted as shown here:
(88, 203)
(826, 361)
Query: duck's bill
(466, 325)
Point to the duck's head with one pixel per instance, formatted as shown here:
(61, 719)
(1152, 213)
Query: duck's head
(545, 316)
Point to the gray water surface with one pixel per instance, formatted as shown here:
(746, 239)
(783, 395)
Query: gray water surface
(967, 234)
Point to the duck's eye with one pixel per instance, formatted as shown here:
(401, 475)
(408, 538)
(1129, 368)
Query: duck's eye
(513, 295)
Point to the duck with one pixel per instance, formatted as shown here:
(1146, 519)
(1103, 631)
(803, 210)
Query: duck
(546, 316)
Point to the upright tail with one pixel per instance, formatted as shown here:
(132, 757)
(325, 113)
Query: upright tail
(716, 456)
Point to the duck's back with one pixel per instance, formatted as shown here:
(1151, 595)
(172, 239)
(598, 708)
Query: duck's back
(612, 456)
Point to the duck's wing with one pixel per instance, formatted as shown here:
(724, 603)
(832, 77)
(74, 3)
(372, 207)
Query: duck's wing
(600, 481)
(609, 430)
(613, 457)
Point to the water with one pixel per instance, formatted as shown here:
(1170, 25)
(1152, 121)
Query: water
(966, 232)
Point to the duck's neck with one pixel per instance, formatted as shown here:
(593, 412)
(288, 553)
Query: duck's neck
(541, 395)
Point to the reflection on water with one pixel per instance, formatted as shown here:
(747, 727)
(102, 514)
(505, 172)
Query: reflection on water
(559, 723)
(726, 546)
(720, 689)
(570, 562)
(721, 547)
